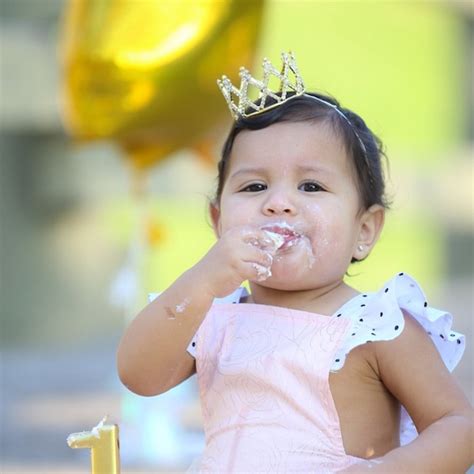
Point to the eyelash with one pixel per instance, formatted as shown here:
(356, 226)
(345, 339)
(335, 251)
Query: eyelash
(317, 185)
(249, 187)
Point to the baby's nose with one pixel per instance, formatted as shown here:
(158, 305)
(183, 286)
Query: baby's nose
(279, 204)
(278, 210)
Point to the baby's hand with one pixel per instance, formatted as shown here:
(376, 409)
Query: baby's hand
(241, 253)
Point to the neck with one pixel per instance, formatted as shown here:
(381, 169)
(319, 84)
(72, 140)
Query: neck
(325, 300)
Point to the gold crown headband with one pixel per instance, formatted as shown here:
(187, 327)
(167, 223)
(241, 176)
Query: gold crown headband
(286, 85)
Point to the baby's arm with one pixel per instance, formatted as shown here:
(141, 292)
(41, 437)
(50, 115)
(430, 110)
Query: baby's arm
(152, 356)
(411, 368)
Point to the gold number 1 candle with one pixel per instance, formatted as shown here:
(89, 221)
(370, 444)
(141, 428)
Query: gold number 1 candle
(103, 441)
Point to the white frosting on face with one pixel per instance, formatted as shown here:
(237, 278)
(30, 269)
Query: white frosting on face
(280, 239)
(277, 239)
(262, 272)
(309, 251)
(305, 244)
(282, 225)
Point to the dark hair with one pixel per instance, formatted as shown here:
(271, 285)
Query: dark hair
(366, 156)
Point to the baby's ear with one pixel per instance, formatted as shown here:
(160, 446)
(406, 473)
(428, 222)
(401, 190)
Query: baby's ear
(371, 225)
(215, 214)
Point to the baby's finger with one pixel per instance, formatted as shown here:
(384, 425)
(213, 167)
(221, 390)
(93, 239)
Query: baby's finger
(256, 272)
(256, 255)
(260, 262)
(262, 273)
(258, 238)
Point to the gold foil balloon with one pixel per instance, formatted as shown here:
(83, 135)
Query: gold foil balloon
(143, 72)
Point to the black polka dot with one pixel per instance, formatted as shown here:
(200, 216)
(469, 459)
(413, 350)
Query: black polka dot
(362, 305)
(353, 333)
(373, 333)
(364, 296)
(441, 336)
(381, 314)
(386, 290)
(373, 329)
(396, 328)
(339, 315)
(400, 274)
(459, 341)
(361, 320)
(425, 304)
(194, 344)
(337, 360)
(430, 333)
(452, 335)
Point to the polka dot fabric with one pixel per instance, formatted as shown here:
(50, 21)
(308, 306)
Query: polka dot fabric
(378, 317)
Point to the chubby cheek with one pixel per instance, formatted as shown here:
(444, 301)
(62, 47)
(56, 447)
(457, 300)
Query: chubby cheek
(329, 232)
(233, 216)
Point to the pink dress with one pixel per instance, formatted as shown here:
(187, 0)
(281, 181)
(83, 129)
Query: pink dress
(263, 375)
(264, 389)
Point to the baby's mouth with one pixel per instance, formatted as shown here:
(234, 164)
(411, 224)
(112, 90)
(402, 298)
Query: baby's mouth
(284, 236)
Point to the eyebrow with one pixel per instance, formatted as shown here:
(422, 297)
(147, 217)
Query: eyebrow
(301, 169)
(313, 169)
(248, 171)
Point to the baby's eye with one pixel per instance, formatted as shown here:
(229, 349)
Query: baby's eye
(254, 188)
(310, 187)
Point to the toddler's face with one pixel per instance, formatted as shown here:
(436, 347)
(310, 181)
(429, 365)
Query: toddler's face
(295, 179)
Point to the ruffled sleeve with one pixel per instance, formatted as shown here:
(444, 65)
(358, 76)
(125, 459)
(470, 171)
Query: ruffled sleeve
(234, 297)
(379, 317)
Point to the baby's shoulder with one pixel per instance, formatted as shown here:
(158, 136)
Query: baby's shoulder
(414, 344)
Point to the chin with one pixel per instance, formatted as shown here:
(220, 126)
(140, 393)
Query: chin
(282, 284)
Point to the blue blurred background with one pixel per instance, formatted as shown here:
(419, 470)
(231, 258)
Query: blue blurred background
(91, 223)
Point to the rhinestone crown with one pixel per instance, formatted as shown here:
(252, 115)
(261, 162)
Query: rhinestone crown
(290, 81)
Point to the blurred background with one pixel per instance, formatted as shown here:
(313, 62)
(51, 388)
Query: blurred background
(110, 128)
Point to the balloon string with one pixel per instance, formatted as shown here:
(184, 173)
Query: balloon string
(139, 243)
(125, 291)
